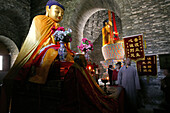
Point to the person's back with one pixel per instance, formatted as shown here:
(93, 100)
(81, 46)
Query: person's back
(110, 72)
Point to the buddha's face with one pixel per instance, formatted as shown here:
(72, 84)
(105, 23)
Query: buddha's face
(56, 13)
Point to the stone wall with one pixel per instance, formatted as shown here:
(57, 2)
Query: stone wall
(150, 17)
(15, 19)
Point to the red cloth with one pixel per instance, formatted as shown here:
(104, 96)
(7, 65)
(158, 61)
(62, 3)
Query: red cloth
(25, 70)
(114, 75)
(80, 95)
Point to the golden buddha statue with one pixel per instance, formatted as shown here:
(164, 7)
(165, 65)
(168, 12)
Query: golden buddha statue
(107, 25)
(39, 36)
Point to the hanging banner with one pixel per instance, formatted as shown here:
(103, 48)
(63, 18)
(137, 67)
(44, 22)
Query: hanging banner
(147, 66)
(134, 47)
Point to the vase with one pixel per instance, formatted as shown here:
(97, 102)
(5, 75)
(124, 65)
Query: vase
(62, 52)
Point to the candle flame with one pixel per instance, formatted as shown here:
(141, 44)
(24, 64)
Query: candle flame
(107, 78)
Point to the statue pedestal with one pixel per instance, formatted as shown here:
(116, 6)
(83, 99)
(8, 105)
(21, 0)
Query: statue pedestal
(113, 51)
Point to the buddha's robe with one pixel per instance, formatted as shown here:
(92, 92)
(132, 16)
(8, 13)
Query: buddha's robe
(106, 35)
(39, 34)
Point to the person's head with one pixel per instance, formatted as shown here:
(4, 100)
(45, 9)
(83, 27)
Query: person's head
(166, 72)
(128, 61)
(118, 65)
(110, 66)
(80, 60)
(54, 10)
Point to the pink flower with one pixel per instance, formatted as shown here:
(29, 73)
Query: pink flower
(84, 39)
(85, 45)
(60, 29)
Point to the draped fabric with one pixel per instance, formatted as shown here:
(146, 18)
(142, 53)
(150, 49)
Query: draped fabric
(81, 94)
(39, 32)
(43, 61)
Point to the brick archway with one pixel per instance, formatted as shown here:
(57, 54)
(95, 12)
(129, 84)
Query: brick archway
(11, 46)
(84, 12)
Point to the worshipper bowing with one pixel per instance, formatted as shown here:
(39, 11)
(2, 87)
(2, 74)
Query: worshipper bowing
(110, 72)
(115, 73)
(129, 80)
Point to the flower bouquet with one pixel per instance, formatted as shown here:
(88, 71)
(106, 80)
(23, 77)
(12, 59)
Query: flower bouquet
(61, 34)
(85, 45)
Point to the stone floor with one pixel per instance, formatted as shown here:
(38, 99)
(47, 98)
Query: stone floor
(144, 108)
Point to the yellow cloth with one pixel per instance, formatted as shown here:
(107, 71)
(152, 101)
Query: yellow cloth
(43, 69)
(39, 33)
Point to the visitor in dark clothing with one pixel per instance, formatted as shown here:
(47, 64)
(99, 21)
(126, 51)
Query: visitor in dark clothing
(110, 72)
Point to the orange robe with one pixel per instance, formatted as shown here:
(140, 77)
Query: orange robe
(39, 34)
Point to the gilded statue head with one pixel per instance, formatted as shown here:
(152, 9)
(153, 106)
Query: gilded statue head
(54, 10)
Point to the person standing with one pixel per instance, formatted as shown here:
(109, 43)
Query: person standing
(115, 73)
(129, 80)
(165, 86)
(110, 72)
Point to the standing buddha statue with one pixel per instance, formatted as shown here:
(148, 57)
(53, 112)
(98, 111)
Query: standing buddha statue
(106, 32)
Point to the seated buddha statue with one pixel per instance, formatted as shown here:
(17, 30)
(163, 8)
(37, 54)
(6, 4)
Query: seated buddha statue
(39, 36)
